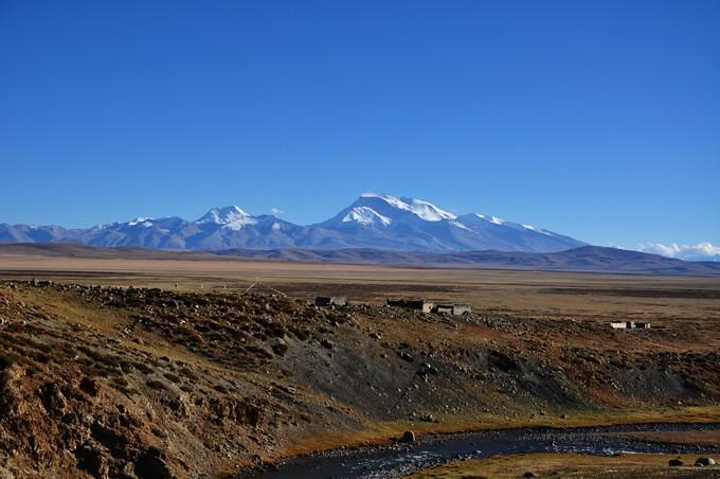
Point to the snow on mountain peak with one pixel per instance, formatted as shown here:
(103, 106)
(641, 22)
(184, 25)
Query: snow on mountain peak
(141, 221)
(365, 216)
(230, 217)
(536, 230)
(457, 224)
(491, 218)
(422, 209)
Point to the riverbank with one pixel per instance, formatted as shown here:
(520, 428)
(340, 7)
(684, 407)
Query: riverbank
(399, 460)
(382, 433)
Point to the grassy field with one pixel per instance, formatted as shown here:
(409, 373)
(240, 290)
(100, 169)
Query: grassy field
(583, 295)
(626, 466)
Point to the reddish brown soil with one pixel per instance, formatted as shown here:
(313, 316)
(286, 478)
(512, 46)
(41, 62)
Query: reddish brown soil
(118, 382)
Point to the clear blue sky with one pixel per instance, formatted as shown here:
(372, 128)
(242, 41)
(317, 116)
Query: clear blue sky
(597, 119)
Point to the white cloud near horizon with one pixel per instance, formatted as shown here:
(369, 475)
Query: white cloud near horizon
(276, 211)
(704, 251)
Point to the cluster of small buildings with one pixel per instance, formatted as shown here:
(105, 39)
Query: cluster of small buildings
(629, 325)
(428, 307)
(413, 304)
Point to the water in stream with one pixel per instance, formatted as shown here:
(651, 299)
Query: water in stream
(398, 460)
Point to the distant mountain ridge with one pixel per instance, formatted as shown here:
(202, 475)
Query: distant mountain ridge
(373, 221)
(593, 259)
(584, 258)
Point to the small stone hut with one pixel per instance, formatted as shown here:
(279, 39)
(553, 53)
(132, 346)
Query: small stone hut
(330, 301)
(454, 309)
(629, 325)
(417, 305)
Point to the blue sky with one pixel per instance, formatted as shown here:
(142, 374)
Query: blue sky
(596, 119)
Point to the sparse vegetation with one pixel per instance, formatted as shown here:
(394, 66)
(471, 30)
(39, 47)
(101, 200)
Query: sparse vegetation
(202, 382)
(576, 466)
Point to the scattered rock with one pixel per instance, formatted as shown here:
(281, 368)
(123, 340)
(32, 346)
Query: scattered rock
(427, 418)
(675, 462)
(151, 465)
(279, 347)
(91, 458)
(704, 462)
(52, 398)
(405, 356)
(89, 386)
(427, 369)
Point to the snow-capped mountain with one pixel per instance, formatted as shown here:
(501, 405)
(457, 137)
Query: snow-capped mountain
(372, 221)
(392, 222)
(371, 210)
(231, 217)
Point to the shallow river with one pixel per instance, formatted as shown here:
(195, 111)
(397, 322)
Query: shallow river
(397, 460)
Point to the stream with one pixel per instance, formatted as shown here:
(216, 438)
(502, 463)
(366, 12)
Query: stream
(401, 459)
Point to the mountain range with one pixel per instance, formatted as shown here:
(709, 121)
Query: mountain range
(375, 221)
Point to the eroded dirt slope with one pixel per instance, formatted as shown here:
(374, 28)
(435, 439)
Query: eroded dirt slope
(146, 383)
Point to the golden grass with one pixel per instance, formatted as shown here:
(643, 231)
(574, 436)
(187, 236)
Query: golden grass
(112, 321)
(521, 292)
(381, 433)
(565, 465)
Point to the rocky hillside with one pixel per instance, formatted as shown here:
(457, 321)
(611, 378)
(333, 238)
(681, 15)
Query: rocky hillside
(138, 383)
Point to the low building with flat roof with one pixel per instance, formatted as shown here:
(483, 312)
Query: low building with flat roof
(418, 305)
(452, 308)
